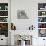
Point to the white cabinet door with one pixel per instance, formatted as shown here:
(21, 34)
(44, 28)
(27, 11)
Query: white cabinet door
(41, 41)
(3, 41)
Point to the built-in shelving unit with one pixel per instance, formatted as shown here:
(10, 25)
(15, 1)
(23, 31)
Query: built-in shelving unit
(4, 19)
(42, 19)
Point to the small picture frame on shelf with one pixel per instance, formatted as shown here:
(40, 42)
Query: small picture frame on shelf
(42, 32)
(41, 13)
(41, 19)
(41, 6)
(3, 6)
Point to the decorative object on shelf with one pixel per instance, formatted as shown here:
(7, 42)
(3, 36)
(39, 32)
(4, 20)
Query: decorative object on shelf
(3, 6)
(4, 26)
(6, 7)
(41, 6)
(42, 32)
(21, 14)
(31, 27)
(0, 7)
(40, 25)
(24, 37)
(3, 19)
(4, 29)
(3, 13)
(23, 40)
(41, 19)
(43, 13)
(13, 27)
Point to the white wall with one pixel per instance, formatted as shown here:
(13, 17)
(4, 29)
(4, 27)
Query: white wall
(30, 6)
(30, 9)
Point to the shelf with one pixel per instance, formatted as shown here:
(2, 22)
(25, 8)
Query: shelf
(3, 16)
(42, 19)
(42, 16)
(3, 22)
(3, 10)
(41, 22)
(41, 10)
(41, 28)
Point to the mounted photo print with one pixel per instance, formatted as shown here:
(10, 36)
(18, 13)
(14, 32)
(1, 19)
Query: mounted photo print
(21, 14)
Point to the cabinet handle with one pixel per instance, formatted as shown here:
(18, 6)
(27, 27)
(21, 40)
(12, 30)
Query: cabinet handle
(1, 39)
(43, 39)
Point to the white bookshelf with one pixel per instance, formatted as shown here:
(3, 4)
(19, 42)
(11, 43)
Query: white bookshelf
(41, 18)
(5, 38)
